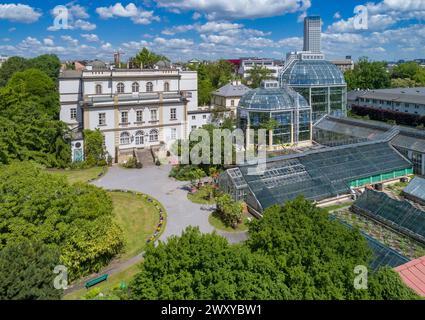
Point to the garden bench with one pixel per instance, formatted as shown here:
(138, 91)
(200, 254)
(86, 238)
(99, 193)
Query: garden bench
(96, 281)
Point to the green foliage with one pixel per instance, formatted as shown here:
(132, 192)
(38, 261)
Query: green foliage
(229, 210)
(94, 150)
(147, 59)
(50, 64)
(368, 75)
(257, 74)
(211, 76)
(294, 252)
(26, 271)
(132, 163)
(409, 74)
(38, 206)
(186, 173)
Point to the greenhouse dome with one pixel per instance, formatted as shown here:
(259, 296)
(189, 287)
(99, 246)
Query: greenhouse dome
(312, 72)
(272, 99)
(282, 108)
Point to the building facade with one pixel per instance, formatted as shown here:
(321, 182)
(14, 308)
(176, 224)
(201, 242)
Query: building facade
(404, 100)
(132, 108)
(344, 64)
(226, 99)
(247, 64)
(313, 34)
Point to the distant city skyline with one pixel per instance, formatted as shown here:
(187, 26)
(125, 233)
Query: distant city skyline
(214, 29)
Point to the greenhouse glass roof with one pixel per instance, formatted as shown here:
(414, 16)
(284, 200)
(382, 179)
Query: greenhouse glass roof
(272, 99)
(313, 73)
(416, 188)
(400, 215)
(322, 174)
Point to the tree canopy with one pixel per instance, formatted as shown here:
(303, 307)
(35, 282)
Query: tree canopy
(368, 75)
(30, 129)
(48, 63)
(147, 59)
(294, 252)
(26, 271)
(257, 74)
(78, 218)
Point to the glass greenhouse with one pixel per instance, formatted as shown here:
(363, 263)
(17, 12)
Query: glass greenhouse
(291, 112)
(318, 175)
(321, 83)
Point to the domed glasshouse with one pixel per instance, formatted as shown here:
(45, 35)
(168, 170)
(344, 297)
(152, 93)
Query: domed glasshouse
(320, 82)
(284, 113)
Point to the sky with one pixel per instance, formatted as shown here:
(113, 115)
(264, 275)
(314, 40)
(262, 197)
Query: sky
(210, 29)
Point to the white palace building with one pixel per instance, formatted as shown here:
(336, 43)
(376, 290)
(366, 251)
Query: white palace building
(133, 108)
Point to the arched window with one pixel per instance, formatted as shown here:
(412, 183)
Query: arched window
(98, 89)
(153, 135)
(120, 87)
(125, 138)
(149, 87)
(140, 138)
(166, 87)
(135, 87)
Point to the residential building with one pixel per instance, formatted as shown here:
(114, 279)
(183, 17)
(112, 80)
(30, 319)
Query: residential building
(226, 99)
(313, 34)
(133, 108)
(247, 64)
(344, 64)
(403, 100)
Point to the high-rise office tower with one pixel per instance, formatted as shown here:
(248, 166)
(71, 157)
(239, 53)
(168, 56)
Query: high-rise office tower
(312, 34)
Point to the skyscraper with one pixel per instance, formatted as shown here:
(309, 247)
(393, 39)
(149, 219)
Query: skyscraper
(312, 34)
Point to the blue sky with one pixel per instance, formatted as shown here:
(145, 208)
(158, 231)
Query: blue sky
(210, 29)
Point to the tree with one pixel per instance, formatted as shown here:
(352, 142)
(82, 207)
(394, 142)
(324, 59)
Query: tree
(271, 125)
(78, 218)
(147, 59)
(94, 150)
(38, 85)
(229, 210)
(294, 252)
(29, 130)
(368, 75)
(26, 271)
(8, 68)
(257, 74)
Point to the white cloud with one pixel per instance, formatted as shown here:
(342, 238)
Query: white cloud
(196, 16)
(70, 40)
(136, 14)
(337, 15)
(90, 37)
(238, 9)
(18, 13)
(78, 11)
(84, 25)
(178, 29)
(174, 43)
(48, 42)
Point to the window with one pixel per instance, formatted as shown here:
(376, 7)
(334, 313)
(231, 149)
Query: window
(73, 113)
(149, 87)
(232, 103)
(98, 89)
(193, 128)
(120, 87)
(193, 117)
(154, 115)
(173, 133)
(204, 116)
(139, 115)
(102, 119)
(135, 87)
(153, 135)
(173, 114)
(166, 87)
(140, 138)
(124, 117)
(125, 138)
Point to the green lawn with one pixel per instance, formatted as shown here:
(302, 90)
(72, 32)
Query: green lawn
(137, 217)
(217, 223)
(201, 196)
(80, 175)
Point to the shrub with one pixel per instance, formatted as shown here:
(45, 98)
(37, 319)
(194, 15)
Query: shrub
(229, 210)
(93, 148)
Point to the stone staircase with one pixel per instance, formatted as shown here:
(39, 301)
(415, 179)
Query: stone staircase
(144, 156)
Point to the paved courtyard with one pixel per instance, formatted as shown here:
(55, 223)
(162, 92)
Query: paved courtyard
(155, 182)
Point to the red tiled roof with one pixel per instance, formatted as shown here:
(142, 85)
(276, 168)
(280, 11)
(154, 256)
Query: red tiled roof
(413, 274)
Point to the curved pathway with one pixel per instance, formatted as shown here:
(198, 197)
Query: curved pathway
(172, 194)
